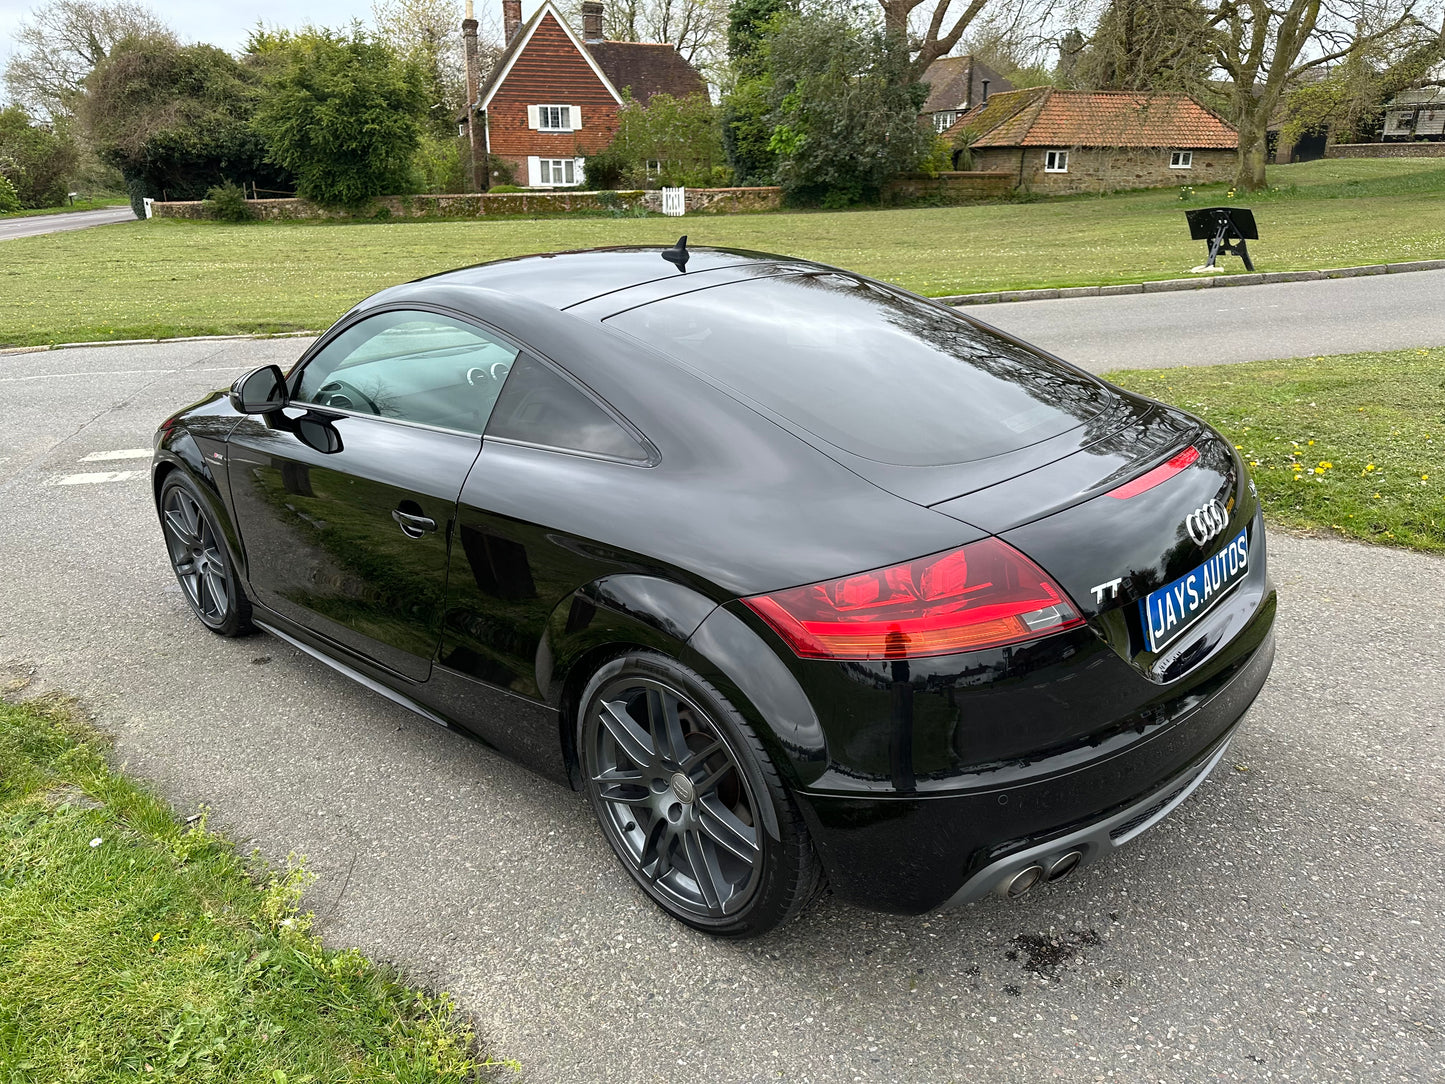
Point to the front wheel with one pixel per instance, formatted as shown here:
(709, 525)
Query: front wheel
(199, 559)
(689, 800)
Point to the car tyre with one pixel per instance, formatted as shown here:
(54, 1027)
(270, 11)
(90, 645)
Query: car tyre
(684, 791)
(200, 559)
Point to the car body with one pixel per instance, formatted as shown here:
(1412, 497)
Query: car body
(915, 579)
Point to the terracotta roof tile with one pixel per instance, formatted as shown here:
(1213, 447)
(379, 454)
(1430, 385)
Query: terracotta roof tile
(1045, 117)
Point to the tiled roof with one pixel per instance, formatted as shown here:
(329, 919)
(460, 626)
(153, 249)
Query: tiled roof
(646, 69)
(954, 81)
(1045, 117)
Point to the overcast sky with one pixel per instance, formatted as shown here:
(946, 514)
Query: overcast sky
(227, 25)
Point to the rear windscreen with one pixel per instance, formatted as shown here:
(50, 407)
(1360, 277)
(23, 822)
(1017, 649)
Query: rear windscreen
(877, 374)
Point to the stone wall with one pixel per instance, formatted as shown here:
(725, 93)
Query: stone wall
(1104, 169)
(1385, 150)
(949, 188)
(558, 201)
(722, 201)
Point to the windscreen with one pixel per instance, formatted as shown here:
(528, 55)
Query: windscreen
(872, 372)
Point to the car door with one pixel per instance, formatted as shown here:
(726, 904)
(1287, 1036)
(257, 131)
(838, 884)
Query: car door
(348, 536)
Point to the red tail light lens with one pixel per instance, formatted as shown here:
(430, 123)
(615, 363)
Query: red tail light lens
(983, 595)
(1161, 473)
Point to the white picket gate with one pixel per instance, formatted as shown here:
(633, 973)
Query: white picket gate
(674, 202)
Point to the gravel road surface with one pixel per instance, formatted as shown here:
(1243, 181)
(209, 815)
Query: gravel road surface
(71, 220)
(1285, 924)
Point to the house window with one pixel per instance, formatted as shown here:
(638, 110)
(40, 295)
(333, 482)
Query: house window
(1056, 162)
(1181, 159)
(557, 171)
(943, 121)
(554, 118)
(654, 167)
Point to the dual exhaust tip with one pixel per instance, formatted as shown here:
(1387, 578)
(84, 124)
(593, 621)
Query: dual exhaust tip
(1017, 884)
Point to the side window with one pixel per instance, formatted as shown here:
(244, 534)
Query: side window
(412, 366)
(539, 406)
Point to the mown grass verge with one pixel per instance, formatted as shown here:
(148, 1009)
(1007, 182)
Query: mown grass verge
(1351, 446)
(137, 947)
(168, 278)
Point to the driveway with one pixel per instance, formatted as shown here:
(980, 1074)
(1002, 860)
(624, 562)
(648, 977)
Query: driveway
(1240, 323)
(1284, 924)
(71, 220)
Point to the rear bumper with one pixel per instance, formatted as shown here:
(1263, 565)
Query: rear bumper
(915, 853)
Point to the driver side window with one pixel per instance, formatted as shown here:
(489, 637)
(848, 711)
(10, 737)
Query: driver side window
(412, 366)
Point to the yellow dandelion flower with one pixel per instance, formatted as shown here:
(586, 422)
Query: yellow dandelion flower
(1319, 470)
(1377, 496)
(1369, 466)
(1424, 477)
(1326, 464)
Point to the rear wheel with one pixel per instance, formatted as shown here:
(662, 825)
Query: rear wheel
(199, 559)
(685, 794)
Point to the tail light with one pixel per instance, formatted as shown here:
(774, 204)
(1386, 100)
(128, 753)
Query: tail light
(1162, 473)
(982, 595)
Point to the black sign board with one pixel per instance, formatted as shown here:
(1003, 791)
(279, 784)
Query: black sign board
(1226, 229)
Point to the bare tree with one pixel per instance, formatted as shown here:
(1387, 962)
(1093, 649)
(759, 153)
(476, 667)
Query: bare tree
(430, 32)
(696, 28)
(931, 27)
(61, 42)
(1264, 46)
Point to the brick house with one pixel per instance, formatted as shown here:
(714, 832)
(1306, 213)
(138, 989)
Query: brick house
(1066, 141)
(957, 84)
(553, 96)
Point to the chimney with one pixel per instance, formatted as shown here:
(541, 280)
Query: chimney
(474, 78)
(985, 92)
(591, 20)
(511, 19)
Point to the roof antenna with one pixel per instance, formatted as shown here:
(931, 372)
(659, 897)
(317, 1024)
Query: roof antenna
(677, 254)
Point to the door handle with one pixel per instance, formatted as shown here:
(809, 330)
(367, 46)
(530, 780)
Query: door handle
(413, 526)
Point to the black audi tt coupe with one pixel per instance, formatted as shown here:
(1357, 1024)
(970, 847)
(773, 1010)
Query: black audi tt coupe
(802, 578)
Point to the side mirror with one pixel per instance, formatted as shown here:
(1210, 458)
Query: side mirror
(319, 431)
(262, 391)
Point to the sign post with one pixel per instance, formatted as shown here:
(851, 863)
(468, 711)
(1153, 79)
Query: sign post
(1226, 229)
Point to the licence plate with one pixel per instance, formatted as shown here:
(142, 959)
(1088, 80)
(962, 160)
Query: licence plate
(1171, 609)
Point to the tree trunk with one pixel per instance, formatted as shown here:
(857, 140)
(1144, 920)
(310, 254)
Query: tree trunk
(1253, 127)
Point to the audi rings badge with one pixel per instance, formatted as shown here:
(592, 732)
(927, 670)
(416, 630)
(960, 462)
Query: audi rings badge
(1204, 524)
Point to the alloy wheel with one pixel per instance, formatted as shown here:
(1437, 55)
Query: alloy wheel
(196, 555)
(672, 798)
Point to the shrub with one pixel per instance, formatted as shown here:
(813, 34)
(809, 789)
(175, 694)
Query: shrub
(343, 113)
(9, 200)
(503, 189)
(501, 171)
(605, 169)
(227, 202)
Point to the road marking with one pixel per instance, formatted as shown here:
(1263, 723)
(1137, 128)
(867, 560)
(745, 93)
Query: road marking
(98, 477)
(121, 453)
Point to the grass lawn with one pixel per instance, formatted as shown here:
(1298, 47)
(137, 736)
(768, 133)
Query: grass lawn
(134, 947)
(1351, 446)
(168, 277)
(97, 203)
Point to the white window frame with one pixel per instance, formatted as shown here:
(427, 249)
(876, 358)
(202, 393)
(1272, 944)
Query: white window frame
(944, 119)
(1056, 161)
(654, 167)
(553, 168)
(562, 114)
(1181, 159)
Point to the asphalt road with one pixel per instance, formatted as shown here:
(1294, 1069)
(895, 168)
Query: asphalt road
(71, 220)
(1208, 327)
(1285, 924)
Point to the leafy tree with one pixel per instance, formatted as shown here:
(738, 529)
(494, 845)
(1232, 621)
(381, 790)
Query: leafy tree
(1150, 45)
(38, 160)
(1350, 100)
(746, 127)
(9, 201)
(425, 31)
(61, 43)
(174, 119)
(1266, 46)
(679, 133)
(845, 111)
(342, 112)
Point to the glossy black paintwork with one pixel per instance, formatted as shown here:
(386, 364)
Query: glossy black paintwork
(550, 562)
